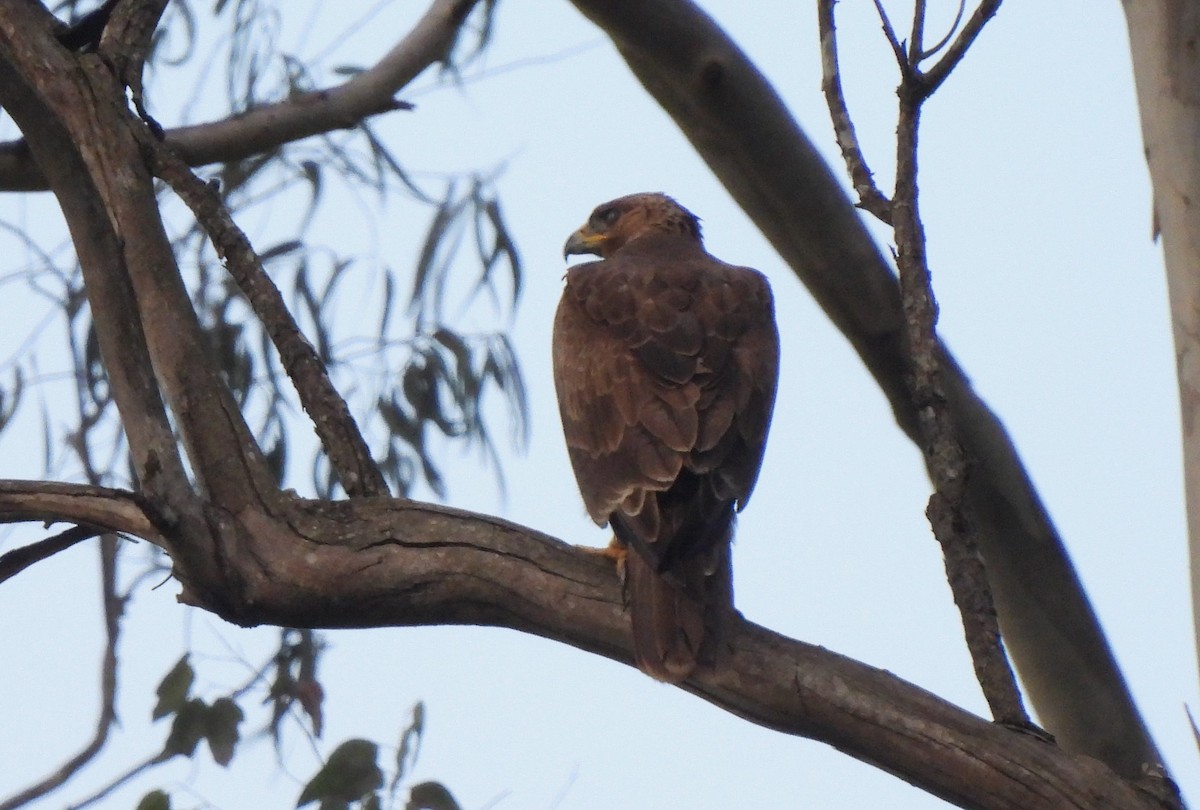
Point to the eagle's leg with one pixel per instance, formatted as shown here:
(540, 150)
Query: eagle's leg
(615, 551)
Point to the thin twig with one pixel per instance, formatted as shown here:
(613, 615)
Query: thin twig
(117, 782)
(941, 43)
(933, 78)
(348, 452)
(890, 33)
(17, 560)
(916, 41)
(870, 198)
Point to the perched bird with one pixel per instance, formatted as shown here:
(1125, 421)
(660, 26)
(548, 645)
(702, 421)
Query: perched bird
(665, 362)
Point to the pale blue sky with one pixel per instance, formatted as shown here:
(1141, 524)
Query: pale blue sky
(1037, 211)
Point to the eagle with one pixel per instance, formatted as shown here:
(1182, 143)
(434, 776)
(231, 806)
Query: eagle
(666, 361)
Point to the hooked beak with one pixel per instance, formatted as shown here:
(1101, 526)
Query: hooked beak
(583, 241)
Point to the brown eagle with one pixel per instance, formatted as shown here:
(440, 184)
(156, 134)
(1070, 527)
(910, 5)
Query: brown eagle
(665, 362)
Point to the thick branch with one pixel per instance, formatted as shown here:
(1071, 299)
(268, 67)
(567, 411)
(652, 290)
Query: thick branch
(373, 562)
(744, 132)
(299, 116)
(80, 94)
(113, 510)
(1162, 37)
(122, 340)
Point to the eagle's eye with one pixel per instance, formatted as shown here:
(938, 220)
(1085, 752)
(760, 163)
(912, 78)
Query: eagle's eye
(606, 216)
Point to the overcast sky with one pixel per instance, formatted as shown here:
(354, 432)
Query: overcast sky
(1037, 212)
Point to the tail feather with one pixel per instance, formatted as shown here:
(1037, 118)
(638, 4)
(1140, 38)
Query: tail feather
(673, 613)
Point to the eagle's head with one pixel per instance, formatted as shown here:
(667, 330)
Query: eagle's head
(621, 221)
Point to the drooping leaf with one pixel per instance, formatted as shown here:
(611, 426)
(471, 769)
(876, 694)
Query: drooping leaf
(221, 728)
(410, 744)
(187, 730)
(173, 690)
(282, 249)
(311, 695)
(351, 772)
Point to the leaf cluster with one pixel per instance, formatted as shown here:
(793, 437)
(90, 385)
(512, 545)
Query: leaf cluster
(194, 719)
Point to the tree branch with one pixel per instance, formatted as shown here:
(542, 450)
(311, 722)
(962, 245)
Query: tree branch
(916, 39)
(949, 513)
(741, 128)
(348, 452)
(111, 510)
(870, 198)
(125, 42)
(17, 560)
(1161, 41)
(123, 342)
(299, 116)
(932, 79)
(890, 34)
(375, 562)
(83, 103)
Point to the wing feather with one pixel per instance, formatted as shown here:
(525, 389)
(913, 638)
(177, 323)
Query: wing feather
(664, 366)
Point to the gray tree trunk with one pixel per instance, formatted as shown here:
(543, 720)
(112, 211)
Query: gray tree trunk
(1164, 40)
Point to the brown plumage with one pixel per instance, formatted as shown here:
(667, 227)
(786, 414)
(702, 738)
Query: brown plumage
(665, 362)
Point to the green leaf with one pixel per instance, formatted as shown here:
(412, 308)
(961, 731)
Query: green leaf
(173, 691)
(155, 800)
(350, 773)
(221, 728)
(431, 796)
(188, 729)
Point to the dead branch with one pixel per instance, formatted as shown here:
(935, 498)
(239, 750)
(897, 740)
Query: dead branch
(1162, 36)
(112, 510)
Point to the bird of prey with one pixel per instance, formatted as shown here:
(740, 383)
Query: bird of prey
(665, 362)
